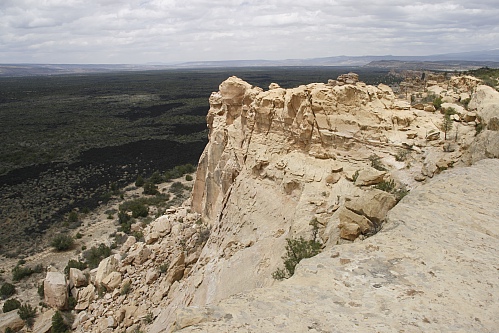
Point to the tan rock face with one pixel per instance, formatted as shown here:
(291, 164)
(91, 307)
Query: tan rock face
(433, 268)
(106, 267)
(55, 290)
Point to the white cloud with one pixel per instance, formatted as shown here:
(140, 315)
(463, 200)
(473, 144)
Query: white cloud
(139, 31)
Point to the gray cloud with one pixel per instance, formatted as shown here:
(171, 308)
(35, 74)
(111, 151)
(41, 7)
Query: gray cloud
(140, 31)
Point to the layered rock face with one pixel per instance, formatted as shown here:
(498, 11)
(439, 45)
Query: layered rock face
(433, 268)
(282, 164)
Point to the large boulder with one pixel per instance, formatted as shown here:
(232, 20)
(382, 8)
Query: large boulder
(55, 290)
(76, 278)
(374, 204)
(106, 267)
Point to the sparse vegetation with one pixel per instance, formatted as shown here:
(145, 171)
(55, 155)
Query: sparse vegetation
(402, 154)
(20, 272)
(94, 255)
(62, 242)
(437, 102)
(11, 305)
(7, 290)
(296, 250)
(74, 264)
(386, 185)
(355, 176)
(58, 324)
(376, 163)
(28, 314)
(447, 122)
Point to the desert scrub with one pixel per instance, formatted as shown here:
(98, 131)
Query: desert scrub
(386, 185)
(7, 290)
(94, 255)
(58, 324)
(20, 272)
(376, 162)
(74, 264)
(402, 154)
(296, 250)
(10, 305)
(28, 314)
(62, 242)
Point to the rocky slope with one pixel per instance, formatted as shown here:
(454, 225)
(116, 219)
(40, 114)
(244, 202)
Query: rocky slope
(433, 268)
(304, 162)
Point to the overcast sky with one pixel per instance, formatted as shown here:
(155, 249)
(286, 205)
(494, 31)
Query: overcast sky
(143, 31)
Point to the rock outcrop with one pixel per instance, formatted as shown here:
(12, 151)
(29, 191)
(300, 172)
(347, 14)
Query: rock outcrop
(324, 161)
(433, 268)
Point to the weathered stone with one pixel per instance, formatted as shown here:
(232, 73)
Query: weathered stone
(85, 296)
(349, 231)
(369, 176)
(127, 244)
(43, 322)
(162, 225)
(374, 204)
(55, 290)
(12, 320)
(112, 281)
(106, 267)
(347, 217)
(77, 278)
(152, 275)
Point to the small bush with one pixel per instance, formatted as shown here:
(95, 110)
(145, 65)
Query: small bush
(150, 188)
(402, 155)
(74, 264)
(355, 176)
(137, 208)
(62, 242)
(296, 250)
(41, 291)
(72, 302)
(95, 255)
(19, 272)
(140, 181)
(10, 305)
(58, 324)
(28, 314)
(387, 186)
(177, 188)
(188, 178)
(73, 217)
(437, 102)
(376, 162)
(7, 290)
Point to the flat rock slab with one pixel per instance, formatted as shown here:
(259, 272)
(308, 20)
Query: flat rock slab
(433, 268)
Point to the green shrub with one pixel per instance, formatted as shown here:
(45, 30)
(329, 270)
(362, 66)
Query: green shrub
(296, 250)
(19, 272)
(402, 155)
(41, 291)
(376, 162)
(437, 102)
(188, 178)
(28, 314)
(73, 217)
(177, 188)
(94, 255)
(156, 178)
(58, 324)
(62, 242)
(10, 305)
(74, 264)
(72, 302)
(140, 181)
(387, 186)
(137, 208)
(9, 330)
(150, 188)
(7, 290)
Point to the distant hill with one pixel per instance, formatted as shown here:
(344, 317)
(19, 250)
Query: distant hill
(449, 61)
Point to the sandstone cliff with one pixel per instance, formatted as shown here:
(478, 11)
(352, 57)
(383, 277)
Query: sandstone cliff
(285, 163)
